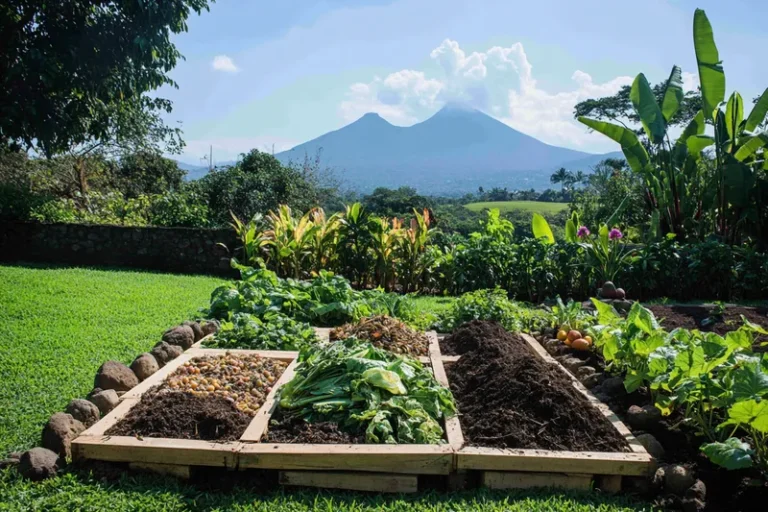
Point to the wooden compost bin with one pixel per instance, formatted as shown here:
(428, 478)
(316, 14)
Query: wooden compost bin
(521, 468)
(379, 468)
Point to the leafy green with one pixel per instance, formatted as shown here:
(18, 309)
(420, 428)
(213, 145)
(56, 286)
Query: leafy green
(273, 332)
(366, 389)
(492, 305)
(731, 454)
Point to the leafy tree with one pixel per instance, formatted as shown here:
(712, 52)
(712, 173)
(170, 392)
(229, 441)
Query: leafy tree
(395, 202)
(147, 173)
(562, 176)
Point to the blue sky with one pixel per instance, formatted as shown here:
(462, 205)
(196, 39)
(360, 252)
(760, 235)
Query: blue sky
(259, 74)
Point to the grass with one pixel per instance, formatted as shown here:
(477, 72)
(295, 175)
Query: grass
(60, 324)
(527, 206)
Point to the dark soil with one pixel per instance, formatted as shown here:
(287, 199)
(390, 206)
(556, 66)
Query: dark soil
(180, 415)
(508, 398)
(690, 317)
(296, 431)
(471, 336)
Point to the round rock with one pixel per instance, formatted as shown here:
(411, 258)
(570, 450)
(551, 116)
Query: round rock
(59, 432)
(613, 386)
(678, 479)
(209, 327)
(165, 352)
(197, 330)
(643, 418)
(115, 375)
(144, 365)
(698, 491)
(105, 400)
(38, 464)
(83, 411)
(182, 336)
(652, 445)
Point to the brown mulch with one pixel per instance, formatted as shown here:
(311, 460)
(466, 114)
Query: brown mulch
(296, 430)
(690, 317)
(387, 333)
(180, 415)
(466, 338)
(508, 398)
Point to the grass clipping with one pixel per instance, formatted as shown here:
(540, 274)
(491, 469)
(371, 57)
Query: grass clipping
(385, 332)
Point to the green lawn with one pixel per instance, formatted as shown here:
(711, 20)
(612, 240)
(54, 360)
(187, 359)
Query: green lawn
(60, 324)
(528, 206)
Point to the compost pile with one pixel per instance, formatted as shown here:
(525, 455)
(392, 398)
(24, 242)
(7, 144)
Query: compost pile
(244, 380)
(508, 398)
(466, 338)
(180, 415)
(296, 430)
(387, 333)
(367, 390)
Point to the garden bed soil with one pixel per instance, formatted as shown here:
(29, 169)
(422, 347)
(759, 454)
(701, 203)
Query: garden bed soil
(508, 398)
(470, 336)
(690, 317)
(297, 431)
(179, 415)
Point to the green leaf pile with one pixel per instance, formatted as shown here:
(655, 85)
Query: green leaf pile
(272, 332)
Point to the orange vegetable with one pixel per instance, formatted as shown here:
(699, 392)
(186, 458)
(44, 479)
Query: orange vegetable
(562, 335)
(574, 335)
(589, 339)
(567, 342)
(580, 344)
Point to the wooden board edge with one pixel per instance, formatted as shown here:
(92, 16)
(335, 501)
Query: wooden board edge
(199, 343)
(157, 377)
(280, 355)
(525, 480)
(606, 411)
(260, 422)
(111, 418)
(453, 431)
(175, 470)
(351, 481)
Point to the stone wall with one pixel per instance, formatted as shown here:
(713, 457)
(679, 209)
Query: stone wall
(181, 250)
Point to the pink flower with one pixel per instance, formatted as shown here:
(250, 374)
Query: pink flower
(583, 232)
(615, 234)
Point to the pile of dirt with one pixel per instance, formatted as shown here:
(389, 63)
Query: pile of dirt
(691, 317)
(508, 398)
(472, 335)
(385, 332)
(296, 430)
(179, 415)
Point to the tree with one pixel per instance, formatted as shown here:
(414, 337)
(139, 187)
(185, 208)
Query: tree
(75, 73)
(562, 176)
(399, 202)
(145, 172)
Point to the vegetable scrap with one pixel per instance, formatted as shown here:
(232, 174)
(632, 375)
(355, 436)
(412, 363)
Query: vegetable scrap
(387, 333)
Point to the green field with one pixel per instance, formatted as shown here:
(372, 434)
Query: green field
(526, 206)
(60, 324)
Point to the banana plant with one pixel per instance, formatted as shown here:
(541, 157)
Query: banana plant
(324, 239)
(290, 241)
(386, 239)
(355, 231)
(252, 239)
(413, 246)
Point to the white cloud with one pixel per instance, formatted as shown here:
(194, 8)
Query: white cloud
(690, 81)
(224, 63)
(499, 81)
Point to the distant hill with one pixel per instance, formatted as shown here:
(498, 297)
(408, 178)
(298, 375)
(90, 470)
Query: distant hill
(455, 151)
(195, 172)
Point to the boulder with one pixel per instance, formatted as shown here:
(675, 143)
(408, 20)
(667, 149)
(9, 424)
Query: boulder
(613, 386)
(144, 365)
(697, 491)
(657, 482)
(652, 445)
(115, 375)
(59, 432)
(83, 411)
(182, 335)
(209, 327)
(585, 371)
(678, 479)
(643, 418)
(571, 363)
(11, 460)
(164, 353)
(38, 464)
(105, 400)
(197, 330)
(692, 505)
(590, 381)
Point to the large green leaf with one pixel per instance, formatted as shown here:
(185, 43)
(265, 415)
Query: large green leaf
(734, 115)
(650, 114)
(711, 73)
(643, 319)
(732, 454)
(751, 146)
(541, 228)
(750, 382)
(634, 152)
(757, 116)
(749, 412)
(697, 143)
(739, 180)
(614, 218)
(570, 231)
(673, 93)
(694, 128)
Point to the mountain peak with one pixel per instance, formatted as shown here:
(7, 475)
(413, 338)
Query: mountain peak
(457, 106)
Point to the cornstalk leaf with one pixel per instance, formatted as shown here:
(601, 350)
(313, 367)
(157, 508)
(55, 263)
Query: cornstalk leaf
(734, 115)
(541, 228)
(634, 152)
(650, 114)
(711, 73)
(757, 116)
(673, 94)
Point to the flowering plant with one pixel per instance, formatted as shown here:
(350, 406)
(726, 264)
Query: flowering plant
(606, 252)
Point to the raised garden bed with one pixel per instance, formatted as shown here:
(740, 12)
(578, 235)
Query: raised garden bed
(366, 467)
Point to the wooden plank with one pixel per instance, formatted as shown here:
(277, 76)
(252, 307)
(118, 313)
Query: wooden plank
(258, 425)
(453, 431)
(114, 416)
(409, 459)
(606, 411)
(372, 482)
(157, 377)
(324, 333)
(156, 451)
(608, 463)
(176, 470)
(450, 359)
(609, 483)
(281, 355)
(522, 480)
(199, 343)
